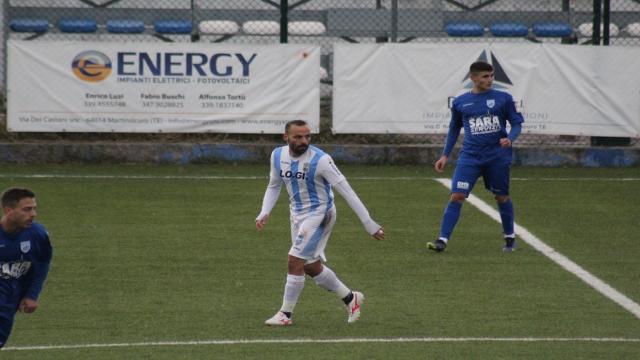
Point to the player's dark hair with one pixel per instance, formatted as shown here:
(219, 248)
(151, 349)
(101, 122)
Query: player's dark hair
(480, 66)
(294, 122)
(12, 196)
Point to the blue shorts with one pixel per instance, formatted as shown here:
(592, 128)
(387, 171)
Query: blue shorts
(7, 315)
(495, 176)
(9, 303)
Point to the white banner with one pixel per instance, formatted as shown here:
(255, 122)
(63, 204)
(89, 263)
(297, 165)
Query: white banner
(560, 89)
(161, 87)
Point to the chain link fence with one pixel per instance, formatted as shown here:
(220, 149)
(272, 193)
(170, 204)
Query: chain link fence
(327, 22)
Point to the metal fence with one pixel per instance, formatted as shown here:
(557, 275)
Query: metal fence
(327, 22)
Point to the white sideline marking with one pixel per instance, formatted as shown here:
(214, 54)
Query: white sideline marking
(132, 177)
(546, 250)
(310, 341)
(227, 177)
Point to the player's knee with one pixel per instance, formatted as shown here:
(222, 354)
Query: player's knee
(295, 265)
(501, 198)
(314, 269)
(458, 197)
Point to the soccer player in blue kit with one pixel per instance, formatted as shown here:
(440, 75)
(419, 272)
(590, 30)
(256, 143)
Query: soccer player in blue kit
(25, 255)
(486, 150)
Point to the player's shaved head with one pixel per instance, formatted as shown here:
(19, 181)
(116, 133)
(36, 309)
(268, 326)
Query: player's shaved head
(480, 66)
(12, 196)
(294, 123)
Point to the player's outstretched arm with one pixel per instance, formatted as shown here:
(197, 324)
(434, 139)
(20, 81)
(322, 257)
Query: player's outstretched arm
(269, 201)
(270, 197)
(361, 211)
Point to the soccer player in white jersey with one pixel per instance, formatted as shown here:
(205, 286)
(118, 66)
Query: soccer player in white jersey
(309, 174)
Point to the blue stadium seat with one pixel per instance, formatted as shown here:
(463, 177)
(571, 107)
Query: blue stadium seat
(125, 26)
(464, 29)
(509, 29)
(173, 26)
(552, 29)
(29, 25)
(78, 25)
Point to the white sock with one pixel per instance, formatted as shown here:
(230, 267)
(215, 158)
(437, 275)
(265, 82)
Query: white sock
(292, 290)
(328, 280)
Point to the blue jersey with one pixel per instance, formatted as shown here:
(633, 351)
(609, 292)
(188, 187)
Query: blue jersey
(24, 263)
(484, 117)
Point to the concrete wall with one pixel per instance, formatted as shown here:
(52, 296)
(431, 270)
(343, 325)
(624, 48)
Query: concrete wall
(182, 153)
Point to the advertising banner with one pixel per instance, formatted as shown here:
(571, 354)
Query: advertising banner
(560, 89)
(161, 87)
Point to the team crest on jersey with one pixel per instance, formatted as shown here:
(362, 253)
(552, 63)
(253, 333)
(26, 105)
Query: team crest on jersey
(305, 167)
(491, 103)
(25, 246)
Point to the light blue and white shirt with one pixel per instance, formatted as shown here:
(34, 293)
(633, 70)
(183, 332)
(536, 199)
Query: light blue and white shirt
(309, 179)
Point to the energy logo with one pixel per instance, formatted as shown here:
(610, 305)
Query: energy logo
(501, 79)
(91, 66)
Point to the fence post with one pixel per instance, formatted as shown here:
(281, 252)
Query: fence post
(597, 14)
(380, 39)
(5, 38)
(394, 21)
(284, 21)
(605, 22)
(566, 8)
(195, 34)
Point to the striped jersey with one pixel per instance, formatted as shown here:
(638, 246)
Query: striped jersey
(308, 178)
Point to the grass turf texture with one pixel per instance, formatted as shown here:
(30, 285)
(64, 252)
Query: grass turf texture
(139, 260)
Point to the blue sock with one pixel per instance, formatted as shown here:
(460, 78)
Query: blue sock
(449, 219)
(506, 214)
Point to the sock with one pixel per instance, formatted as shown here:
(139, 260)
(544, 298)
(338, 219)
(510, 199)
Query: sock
(328, 280)
(347, 299)
(292, 291)
(506, 214)
(449, 219)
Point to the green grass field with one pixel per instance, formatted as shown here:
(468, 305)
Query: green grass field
(161, 254)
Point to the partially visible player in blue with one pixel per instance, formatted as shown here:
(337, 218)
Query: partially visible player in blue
(486, 151)
(25, 255)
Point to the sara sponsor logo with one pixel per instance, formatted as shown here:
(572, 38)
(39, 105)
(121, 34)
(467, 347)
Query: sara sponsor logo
(484, 125)
(14, 270)
(91, 66)
(462, 185)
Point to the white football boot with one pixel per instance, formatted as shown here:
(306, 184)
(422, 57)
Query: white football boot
(354, 306)
(279, 319)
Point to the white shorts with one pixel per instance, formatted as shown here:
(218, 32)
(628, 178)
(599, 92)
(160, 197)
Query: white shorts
(310, 233)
